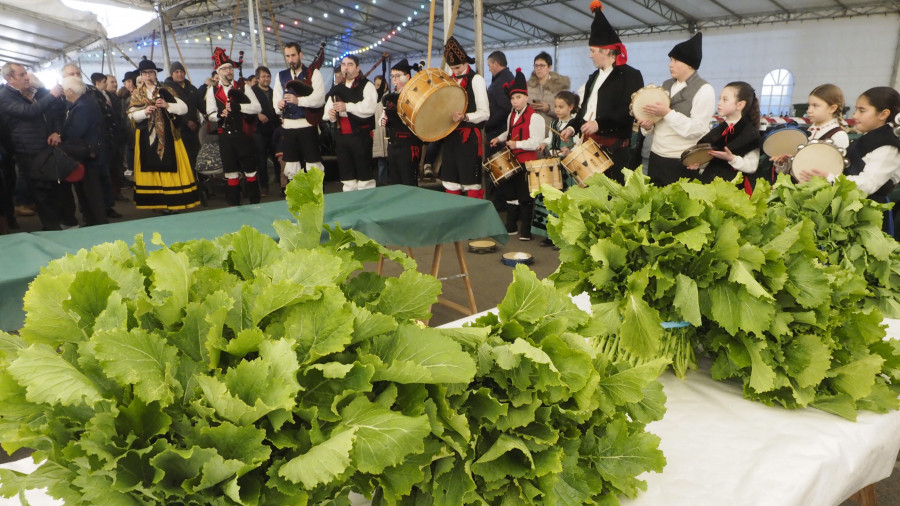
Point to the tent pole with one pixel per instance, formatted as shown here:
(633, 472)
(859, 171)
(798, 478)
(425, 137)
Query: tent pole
(162, 32)
(262, 36)
(430, 33)
(479, 36)
(251, 14)
(895, 74)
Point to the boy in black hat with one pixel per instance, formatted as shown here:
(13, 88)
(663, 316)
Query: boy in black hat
(404, 148)
(463, 148)
(604, 115)
(685, 119)
(525, 131)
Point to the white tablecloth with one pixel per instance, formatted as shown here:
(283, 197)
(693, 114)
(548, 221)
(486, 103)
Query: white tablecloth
(722, 449)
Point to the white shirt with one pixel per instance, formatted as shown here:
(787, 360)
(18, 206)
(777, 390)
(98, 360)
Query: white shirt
(482, 108)
(536, 129)
(590, 107)
(212, 110)
(882, 164)
(840, 138)
(178, 108)
(314, 99)
(363, 109)
(676, 132)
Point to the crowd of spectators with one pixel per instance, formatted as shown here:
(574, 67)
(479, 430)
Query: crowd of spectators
(89, 123)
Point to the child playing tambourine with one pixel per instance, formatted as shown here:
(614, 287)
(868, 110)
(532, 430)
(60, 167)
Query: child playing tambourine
(826, 113)
(874, 157)
(735, 142)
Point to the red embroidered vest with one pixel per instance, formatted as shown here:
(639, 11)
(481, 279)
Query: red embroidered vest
(521, 131)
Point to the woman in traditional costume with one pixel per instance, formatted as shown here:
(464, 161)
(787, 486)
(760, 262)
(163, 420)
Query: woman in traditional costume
(163, 179)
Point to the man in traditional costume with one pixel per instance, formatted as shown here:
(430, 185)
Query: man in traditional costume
(226, 105)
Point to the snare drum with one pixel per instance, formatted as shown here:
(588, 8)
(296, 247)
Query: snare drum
(697, 155)
(546, 171)
(426, 102)
(485, 246)
(823, 155)
(784, 140)
(645, 96)
(502, 166)
(586, 160)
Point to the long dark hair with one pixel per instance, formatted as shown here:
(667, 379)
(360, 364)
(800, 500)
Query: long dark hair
(744, 92)
(883, 97)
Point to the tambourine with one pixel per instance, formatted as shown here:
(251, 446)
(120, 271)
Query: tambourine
(482, 246)
(784, 140)
(697, 155)
(645, 96)
(298, 88)
(822, 155)
(514, 258)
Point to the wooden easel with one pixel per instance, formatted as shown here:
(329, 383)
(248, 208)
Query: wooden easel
(435, 270)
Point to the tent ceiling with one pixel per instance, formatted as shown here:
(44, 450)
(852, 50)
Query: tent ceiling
(507, 23)
(34, 31)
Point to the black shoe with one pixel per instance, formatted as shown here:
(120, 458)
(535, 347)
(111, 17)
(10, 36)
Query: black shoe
(546, 242)
(112, 213)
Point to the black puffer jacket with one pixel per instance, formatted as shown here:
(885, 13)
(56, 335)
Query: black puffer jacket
(30, 123)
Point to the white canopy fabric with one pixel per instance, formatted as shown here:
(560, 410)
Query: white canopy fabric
(35, 31)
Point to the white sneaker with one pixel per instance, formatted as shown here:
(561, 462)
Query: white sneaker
(427, 172)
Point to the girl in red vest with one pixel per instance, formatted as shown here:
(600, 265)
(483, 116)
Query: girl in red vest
(525, 131)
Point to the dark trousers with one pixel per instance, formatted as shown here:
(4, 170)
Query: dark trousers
(301, 145)
(665, 171)
(237, 152)
(191, 141)
(403, 161)
(461, 162)
(354, 156)
(8, 186)
(54, 201)
(619, 157)
(265, 151)
(91, 198)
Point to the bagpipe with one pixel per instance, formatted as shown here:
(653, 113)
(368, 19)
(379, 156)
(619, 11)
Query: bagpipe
(303, 87)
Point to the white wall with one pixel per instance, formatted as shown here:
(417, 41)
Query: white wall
(854, 54)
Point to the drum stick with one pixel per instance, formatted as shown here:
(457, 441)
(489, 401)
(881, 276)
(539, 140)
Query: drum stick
(430, 33)
(554, 131)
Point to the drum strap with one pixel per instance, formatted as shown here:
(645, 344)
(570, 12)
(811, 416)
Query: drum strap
(830, 133)
(610, 142)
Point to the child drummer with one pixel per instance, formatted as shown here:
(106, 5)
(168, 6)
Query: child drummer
(525, 131)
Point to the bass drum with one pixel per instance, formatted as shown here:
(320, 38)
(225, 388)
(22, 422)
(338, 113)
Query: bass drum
(427, 101)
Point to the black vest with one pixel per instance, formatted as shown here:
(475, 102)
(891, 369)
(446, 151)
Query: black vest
(882, 136)
(471, 106)
(396, 128)
(744, 139)
(354, 94)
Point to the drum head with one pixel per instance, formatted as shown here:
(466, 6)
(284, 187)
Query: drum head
(819, 155)
(646, 96)
(697, 155)
(482, 246)
(517, 257)
(784, 142)
(435, 95)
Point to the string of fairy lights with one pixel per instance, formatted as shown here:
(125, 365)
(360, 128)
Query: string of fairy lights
(281, 25)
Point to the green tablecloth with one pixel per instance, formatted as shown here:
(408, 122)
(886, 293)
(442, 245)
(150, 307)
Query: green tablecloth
(392, 215)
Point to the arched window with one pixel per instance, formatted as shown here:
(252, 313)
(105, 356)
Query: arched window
(775, 99)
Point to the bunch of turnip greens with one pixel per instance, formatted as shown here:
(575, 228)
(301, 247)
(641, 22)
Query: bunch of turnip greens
(243, 370)
(782, 289)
